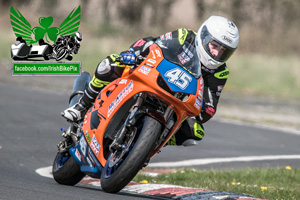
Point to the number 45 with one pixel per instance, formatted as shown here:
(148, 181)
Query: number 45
(178, 77)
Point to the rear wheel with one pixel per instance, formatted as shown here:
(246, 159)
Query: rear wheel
(122, 166)
(66, 170)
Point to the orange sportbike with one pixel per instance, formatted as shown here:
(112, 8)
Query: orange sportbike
(132, 118)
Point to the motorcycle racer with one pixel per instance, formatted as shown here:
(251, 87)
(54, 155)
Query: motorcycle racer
(68, 43)
(215, 42)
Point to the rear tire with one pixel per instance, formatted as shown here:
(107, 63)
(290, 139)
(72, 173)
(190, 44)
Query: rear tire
(66, 171)
(135, 160)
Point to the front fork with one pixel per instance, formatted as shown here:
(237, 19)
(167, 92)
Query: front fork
(71, 136)
(135, 113)
(128, 126)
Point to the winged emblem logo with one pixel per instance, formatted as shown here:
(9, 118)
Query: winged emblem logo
(22, 27)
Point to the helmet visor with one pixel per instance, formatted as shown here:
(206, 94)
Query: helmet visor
(216, 49)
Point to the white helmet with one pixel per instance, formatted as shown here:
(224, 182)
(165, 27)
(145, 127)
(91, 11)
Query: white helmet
(78, 37)
(222, 31)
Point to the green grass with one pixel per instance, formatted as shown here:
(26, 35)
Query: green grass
(264, 75)
(276, 184)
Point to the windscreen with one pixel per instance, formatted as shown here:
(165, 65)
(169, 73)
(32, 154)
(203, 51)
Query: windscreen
(184, 55)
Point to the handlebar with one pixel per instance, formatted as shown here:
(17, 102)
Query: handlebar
(138, 60)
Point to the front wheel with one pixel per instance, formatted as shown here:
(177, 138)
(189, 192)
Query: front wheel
(66, 170)
(61, 54)
(122, 167)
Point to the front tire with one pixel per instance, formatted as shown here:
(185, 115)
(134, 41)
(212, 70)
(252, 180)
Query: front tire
(116, 177)
(61, 54)
(66, 170)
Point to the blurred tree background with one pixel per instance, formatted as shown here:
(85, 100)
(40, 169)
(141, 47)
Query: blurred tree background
(267, 26)
(269, 33)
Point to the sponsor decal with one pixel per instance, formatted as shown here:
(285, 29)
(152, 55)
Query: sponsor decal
(77, 154)
(187, 51)
(85, 120)
(210, 110)
(158, 53)
(185, 56)
(83, 146)
(93, 159)
(89, 162)
(199, 98)
(144, 70)
(231, 24)
(197, 104)
(119, 98)
(159, 43)
(95, 146)
(123, 81)
(201, 82)
(90, 156)
(149, 65)
(168, 36)
(153, 54)
(88, 137)
(181, 59)
(200, 93)
(220, 88)
(151, 61)
(139, 43)
(225, 38)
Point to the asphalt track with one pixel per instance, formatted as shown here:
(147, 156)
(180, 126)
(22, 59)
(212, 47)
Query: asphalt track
(30, 129)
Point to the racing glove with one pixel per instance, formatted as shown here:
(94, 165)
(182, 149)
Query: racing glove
(128, 57)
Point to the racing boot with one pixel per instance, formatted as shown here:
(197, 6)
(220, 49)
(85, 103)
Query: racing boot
(76, 112)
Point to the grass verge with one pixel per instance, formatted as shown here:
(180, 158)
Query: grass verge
(264, 75)
(277, 183)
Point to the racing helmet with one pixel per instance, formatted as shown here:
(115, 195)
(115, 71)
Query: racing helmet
(78, 37)
(220, 32)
